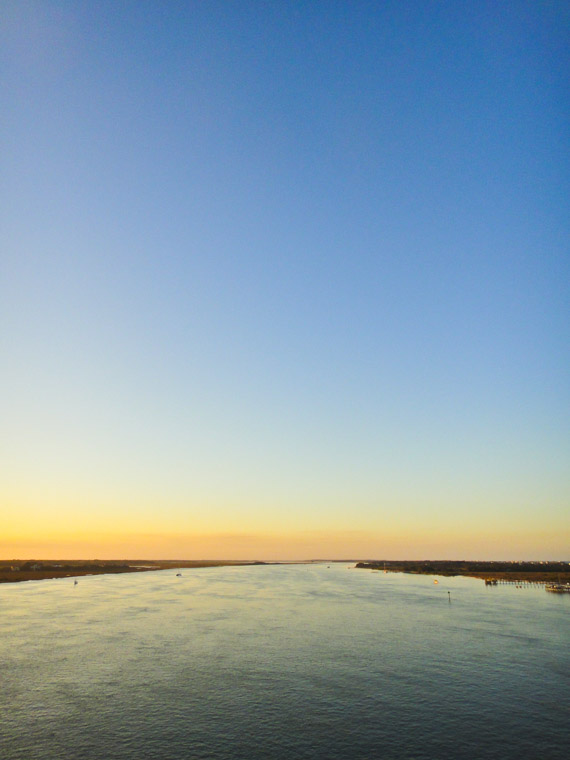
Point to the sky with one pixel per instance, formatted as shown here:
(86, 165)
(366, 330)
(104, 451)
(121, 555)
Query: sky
(284, 280)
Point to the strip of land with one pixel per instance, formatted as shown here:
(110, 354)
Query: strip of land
(13, 571)
(529, 572)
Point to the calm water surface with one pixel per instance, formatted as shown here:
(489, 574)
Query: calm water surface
(282, 662)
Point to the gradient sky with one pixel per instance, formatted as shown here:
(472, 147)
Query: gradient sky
(284, 279)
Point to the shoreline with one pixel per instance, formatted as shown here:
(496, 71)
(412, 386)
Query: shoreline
(18, 571)
(524, 572)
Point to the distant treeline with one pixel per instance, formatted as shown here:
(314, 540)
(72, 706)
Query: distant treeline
(32, 570)
(550, 570)
(84, 566)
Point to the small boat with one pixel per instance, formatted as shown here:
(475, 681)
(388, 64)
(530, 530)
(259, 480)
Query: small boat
(558, 588)
(179, 575)
(435, 580)
(75, 582)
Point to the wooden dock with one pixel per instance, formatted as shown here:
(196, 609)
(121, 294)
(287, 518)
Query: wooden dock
(513, 582)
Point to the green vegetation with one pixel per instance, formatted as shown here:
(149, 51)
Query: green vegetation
(523, 571)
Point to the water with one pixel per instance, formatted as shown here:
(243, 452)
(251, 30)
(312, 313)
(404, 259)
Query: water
(282, 662)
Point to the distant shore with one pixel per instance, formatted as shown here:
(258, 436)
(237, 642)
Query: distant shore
(14, 571)
(529, 572)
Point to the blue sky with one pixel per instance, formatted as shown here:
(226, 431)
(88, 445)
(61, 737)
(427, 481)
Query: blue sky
(281, 270)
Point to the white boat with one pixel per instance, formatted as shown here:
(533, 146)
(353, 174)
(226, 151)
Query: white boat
(558, 588)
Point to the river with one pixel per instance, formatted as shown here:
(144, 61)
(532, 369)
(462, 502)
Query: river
(282, 662)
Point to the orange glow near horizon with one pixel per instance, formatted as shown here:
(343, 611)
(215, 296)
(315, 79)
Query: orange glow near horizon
(63, 525)
(300, 545)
